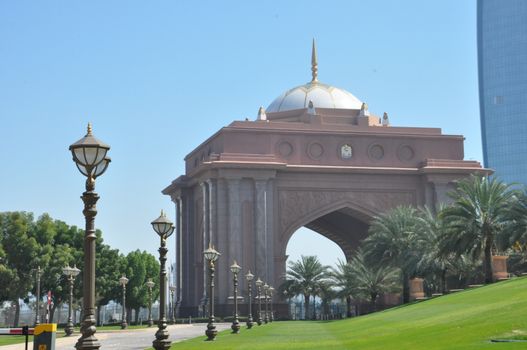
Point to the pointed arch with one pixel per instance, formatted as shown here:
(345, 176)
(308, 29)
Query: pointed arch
(349, 208)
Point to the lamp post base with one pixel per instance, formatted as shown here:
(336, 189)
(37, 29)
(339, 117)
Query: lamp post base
(150, 323)
(88, 343)
(68, 329)
(250, 322)
(211, 332)
(235, 327)
(87, 340)
(162, 342)
(124, 325)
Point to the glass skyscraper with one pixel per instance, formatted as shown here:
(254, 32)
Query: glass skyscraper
(502, 65)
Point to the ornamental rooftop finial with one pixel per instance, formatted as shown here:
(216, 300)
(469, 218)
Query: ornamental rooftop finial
(314, 63)
(89, 129)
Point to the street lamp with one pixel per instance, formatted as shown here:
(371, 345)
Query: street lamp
(71, 273)
(164, 228)
(259, 285)
(249, 277)
(266, 289)
(89, 154)
(150, 285)
(123, 281)
(235, 269)
(173, 305)
(271, 291)
(37, 316)
(286, 295)
(211, 255)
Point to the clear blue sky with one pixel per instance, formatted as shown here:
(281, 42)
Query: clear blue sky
(156, 78)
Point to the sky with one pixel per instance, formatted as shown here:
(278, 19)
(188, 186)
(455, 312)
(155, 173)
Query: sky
(157, 78)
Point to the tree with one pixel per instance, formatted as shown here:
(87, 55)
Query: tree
(344, 279)
(53, 255)
(372, 281)
(434, 262)
(516, 229)
(110, 265)
(20, 250)
(140, 266)
(477, 216)
(305, 275)
(394, 240)
(326, 292)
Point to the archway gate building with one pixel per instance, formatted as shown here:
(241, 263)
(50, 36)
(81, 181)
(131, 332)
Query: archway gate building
(315, 158)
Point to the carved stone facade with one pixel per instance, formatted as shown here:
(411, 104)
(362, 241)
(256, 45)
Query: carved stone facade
(251, 185)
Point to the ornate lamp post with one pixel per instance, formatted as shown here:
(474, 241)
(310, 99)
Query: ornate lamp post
(71, 273)
(123, 281)
(235, 269)
(173, 305)
(37, 316)
(211, 255)
(259, 285)
(271, 291)
(286, 295)
(89, 154)
(164, 228)
(266, 300)
(249, 277)
(150, 285)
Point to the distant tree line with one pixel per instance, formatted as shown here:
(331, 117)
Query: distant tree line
(453, 244)
(26, 244)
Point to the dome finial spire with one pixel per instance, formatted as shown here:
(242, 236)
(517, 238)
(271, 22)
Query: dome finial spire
(314, 63)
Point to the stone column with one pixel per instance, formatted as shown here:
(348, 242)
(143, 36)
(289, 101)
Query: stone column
(221, 240)
(235, 238)
(187, 249)
(212, 209)
(271, 227)
(260, 212)
(179, 253)
(203, 301)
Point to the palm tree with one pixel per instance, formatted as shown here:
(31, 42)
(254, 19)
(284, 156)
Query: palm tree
(326, 292)
(394, 240)
(371, 281)
(476, 217)
(305, 275)
(344, 279)
(434, 261)
(516, 230)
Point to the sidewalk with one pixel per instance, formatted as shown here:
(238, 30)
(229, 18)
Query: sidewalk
(134, 339)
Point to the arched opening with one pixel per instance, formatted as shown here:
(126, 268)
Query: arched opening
(344, 226)
(330, 237)
(308, 242)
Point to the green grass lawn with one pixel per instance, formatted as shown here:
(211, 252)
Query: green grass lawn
(465, 320)
(13, 339)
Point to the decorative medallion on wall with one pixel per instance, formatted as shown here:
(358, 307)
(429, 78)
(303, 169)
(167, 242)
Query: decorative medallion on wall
(315, 150)
(346, 152)
(405, 153)
(285, 149)
(376, 152)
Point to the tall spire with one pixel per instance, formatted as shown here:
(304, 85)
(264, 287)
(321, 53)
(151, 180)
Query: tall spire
(314, 63)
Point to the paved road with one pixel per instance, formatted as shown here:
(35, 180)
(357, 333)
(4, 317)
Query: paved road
(136, 339)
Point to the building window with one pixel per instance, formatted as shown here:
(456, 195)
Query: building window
(498, 100)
